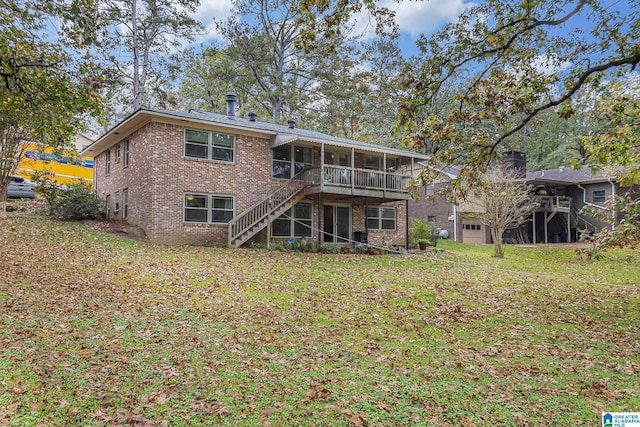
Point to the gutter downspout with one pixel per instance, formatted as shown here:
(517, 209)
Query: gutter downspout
(613, 198)
(584, 200)
(455, 223)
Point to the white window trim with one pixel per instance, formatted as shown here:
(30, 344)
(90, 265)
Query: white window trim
(292, 222)
(125, 203)
(209, 207)
(379, 218)
(210, 146)
(107, 162)
(292, 159)
(125, 152)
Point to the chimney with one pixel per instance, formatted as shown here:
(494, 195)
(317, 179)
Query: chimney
(516, 161)
(252, 116)
(231, 106)
(292, 124)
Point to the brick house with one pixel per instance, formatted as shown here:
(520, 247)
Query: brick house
(561, 194)
(213, 179)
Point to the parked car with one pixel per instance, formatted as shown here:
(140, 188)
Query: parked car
(20, 189)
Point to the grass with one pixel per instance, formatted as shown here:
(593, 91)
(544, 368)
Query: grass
(96, 329)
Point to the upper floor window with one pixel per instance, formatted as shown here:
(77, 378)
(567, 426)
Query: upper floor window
(381, 218)
(289, 160)
(107, 162)
(117, 160)
(599, 196)
(125, 158)
(372, 162)
(201, 144)
(429, 190)
(208, 208)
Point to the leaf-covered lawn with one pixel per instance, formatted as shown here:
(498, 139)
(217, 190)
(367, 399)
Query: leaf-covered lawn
(97, 329)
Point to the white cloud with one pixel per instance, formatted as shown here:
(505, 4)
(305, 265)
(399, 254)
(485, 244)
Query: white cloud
(209, 11)
(426, 17)
(415, 17)
(548, 64)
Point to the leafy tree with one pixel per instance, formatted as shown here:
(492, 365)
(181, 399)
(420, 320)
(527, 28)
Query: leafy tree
(511, 61)
(616, 151)
(261, 35)
(506, 61)
(46, 85)
(505, 203)
(137, 41)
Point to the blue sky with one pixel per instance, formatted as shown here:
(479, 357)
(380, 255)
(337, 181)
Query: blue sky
(413, 17)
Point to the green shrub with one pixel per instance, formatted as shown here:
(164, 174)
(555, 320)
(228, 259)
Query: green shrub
(419, 230)
(330, 249)
(74, 203)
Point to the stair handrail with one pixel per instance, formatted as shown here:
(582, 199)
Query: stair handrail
(579, 217)
(260, 210)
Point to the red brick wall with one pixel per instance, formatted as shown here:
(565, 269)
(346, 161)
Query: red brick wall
(159, 174)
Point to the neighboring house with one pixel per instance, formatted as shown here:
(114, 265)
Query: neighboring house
(212, 179)
(561, 194)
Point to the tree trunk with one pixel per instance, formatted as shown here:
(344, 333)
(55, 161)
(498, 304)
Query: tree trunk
(137, 95)
(496, 235)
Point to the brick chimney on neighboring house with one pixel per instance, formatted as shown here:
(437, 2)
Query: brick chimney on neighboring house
(517, 161)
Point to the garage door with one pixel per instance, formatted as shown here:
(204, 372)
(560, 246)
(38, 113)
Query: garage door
(473, 233)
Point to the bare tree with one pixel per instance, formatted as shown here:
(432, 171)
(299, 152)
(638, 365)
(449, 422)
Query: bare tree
(505, 201)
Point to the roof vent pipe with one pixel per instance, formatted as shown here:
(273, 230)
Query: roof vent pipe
(231, 106)
(292, 124)
(252, 116)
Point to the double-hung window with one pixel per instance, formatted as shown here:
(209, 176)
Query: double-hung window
(125, 203)
(208, 208)
(116, 202)
(125, 157)
(201, 144)
(295, 222)
(599, 196)
(107, 162)
(381, 218)
(107, 206)
(117, 153)
(290, 160)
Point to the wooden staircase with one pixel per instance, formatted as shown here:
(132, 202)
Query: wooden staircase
(254, 219)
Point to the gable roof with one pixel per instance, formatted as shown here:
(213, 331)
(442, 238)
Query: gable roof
(568, 175)
(280, 134)
(561, 175)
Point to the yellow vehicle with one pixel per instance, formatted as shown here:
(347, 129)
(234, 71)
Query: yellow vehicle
(63, 168)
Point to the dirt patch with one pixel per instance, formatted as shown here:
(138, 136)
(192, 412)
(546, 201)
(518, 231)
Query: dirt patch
(118, 228)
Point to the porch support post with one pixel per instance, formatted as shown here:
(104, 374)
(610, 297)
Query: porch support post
(321, 167)
(406, 226)
(569, 225)
(546, 228)
(366, 226)
(320, 224)
(534, 227)
(384, 173)
(353, 169)
(269, 225)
